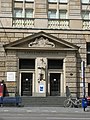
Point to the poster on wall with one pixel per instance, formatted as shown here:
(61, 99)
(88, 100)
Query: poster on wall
(41, 88)
(11, 76)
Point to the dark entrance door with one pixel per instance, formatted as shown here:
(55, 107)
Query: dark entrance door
(26, 84)
(55, 84)
(88, 89)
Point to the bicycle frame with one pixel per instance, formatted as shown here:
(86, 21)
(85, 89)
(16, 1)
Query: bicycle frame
(72, 103)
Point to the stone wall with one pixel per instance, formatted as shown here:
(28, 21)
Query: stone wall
(6, 7)
(71, 74)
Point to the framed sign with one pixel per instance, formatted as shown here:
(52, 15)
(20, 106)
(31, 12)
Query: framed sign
(41, 88)
(11, 76)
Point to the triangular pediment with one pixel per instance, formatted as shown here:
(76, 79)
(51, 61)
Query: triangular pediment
(41, 41)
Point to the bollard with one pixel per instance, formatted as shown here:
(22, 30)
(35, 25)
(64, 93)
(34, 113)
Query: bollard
(84, 103)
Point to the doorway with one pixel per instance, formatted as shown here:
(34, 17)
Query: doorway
(26, 84)
(55, 84)
(88, 89)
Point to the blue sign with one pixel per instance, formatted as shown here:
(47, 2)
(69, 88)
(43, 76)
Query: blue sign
(41, 88)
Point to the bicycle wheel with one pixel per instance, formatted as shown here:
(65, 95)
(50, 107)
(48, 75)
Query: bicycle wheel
(67, 103)
(79, 103)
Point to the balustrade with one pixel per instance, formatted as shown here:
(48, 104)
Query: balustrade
(58, 24)
(23, 22)
(52, 23)
(86, 25)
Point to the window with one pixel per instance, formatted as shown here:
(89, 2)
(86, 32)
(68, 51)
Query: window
(30, 0)
(29, 13)
(22, 9)
(88, 53)
(85, 15)
(26, 63)
(25, 0)
(85, 1)
(52, 14)
(55, 64)
(18, 0)
(18, 13)
(62, 14)
(52, 0)
(63, 1)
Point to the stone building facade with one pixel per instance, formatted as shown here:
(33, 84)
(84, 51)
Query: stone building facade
(42, 45)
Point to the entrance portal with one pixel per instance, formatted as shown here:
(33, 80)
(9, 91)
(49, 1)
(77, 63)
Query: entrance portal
(88, 89)
(26, 84)
(55, 84)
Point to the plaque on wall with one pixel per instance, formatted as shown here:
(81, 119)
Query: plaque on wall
(11, 76)
(41, 88)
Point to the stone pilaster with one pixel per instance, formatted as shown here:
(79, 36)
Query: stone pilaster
(71, 74)
(11, 66)
(41, 13)
(40, 83)
(75, 14)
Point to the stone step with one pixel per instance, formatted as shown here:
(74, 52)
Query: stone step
(43, 101)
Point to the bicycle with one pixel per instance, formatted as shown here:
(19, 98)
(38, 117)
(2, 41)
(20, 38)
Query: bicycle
(70, 102)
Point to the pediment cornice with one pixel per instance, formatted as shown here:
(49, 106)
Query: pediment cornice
(40, 41)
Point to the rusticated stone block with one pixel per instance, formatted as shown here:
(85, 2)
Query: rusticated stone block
(2, 53)
(70, 59)
(2, 73)
(11, 58)
(20, 35)
(71, 69)
(2, 64)
(71, 74)
(9, 64)
(2, 69)
(72, 64)
(11, 68)
(71, 36)
(10, 84)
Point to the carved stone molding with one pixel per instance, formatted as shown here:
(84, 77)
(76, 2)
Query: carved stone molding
(41, 42)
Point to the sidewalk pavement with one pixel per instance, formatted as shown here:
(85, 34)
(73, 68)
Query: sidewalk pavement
(43, 110)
